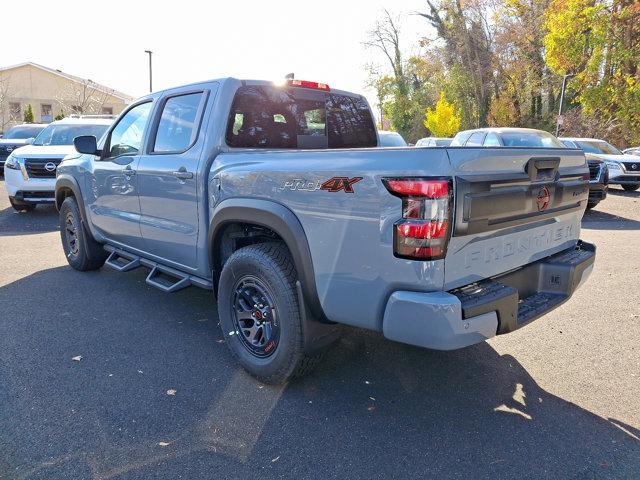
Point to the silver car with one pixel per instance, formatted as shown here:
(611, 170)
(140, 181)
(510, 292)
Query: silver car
(434, 142)
(506, 137)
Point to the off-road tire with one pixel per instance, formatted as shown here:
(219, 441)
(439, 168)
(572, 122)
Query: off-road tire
(272, 265)
(85, 253)
(20, 206)
(631, 188)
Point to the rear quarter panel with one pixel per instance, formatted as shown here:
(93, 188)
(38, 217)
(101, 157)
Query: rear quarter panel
(350, 235)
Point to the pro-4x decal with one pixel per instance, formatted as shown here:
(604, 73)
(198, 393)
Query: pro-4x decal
(337, 184)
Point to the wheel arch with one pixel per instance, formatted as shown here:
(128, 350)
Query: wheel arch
(67, 186)
(280, 220)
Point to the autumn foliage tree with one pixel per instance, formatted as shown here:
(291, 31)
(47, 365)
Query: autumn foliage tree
(443, 121)
(501, 63)
(598, 42)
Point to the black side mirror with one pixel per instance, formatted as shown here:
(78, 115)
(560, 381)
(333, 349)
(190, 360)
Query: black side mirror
(86, 144)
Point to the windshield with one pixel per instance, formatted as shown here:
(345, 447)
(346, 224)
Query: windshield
(530, 139)
(62, 134)
(598, 147)
(22, 133)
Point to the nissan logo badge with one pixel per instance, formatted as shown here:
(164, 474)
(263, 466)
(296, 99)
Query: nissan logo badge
(50, 167)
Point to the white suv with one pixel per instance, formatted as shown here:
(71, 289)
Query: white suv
(624, 168)
(30, 171)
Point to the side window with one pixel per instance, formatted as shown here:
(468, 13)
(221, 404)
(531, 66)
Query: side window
(475, 140)
(178, 123)
(126, 137)
(491, 140)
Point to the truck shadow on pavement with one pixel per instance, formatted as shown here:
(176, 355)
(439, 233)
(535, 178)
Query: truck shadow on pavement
(372, 409)
(620, 192)
(599, 220)
(43, 219)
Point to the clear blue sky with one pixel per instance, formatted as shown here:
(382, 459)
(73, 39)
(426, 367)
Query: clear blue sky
(105, 41)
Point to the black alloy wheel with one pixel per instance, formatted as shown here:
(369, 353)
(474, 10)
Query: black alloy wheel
(254, 316)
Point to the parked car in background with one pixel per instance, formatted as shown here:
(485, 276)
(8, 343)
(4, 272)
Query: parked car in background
(247, 188)
(434, 142)
(17, 137)
(505, 137)
(390, 139)
(632, 151)
(624, 169)
(598, 180)
(30, 171)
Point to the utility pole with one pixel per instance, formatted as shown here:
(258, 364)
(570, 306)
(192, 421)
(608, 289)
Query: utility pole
(150, 71)
(564, 86)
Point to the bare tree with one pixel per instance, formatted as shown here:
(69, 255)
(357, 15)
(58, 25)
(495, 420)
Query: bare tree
(82, 97)
(5, 89)
(385, 36)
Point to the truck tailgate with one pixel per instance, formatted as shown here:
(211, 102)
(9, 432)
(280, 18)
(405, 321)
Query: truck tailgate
(512, 207)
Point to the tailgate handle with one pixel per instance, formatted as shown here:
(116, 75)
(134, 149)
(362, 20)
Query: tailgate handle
(544, 168)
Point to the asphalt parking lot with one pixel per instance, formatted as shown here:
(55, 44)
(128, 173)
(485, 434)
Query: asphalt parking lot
(557, 399)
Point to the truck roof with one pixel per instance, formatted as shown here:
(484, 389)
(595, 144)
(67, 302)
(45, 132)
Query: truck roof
(225, 80)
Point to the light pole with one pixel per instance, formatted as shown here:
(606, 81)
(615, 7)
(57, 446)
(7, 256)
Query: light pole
(150, 71)
(564, 86)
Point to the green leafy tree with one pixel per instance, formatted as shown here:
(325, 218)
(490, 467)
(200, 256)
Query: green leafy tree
(598, 41)
(59, 116)
(28, 114)
(443, 121)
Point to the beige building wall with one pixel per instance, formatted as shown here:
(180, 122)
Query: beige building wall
(49, 93)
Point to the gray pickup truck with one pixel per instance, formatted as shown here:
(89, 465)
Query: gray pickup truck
(277, 199)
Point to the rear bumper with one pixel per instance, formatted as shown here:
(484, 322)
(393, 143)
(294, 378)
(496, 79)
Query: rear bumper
(476, 312)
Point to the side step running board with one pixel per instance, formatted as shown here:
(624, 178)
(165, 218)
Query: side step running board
(161, 277)
(122, 262)
(167, 281)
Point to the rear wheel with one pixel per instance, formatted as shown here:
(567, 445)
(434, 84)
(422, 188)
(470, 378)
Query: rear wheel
(591, 205)
(21, 206)
(82, 251)
(631, 188)
(259, 313)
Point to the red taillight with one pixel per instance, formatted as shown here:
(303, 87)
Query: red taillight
(307, 84)
(418, 188)
(424, 231)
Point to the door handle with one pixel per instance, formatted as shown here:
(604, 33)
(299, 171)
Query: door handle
(182, 174)
(128, 171)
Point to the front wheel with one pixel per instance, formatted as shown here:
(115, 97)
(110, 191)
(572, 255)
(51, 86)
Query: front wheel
(82, 251)
(631, 188)
(592, 205)
(259, 314)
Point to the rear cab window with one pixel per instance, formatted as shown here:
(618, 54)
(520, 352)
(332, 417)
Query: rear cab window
(271, 117)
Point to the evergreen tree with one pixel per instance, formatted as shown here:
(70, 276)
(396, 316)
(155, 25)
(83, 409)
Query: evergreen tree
(28, 114)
